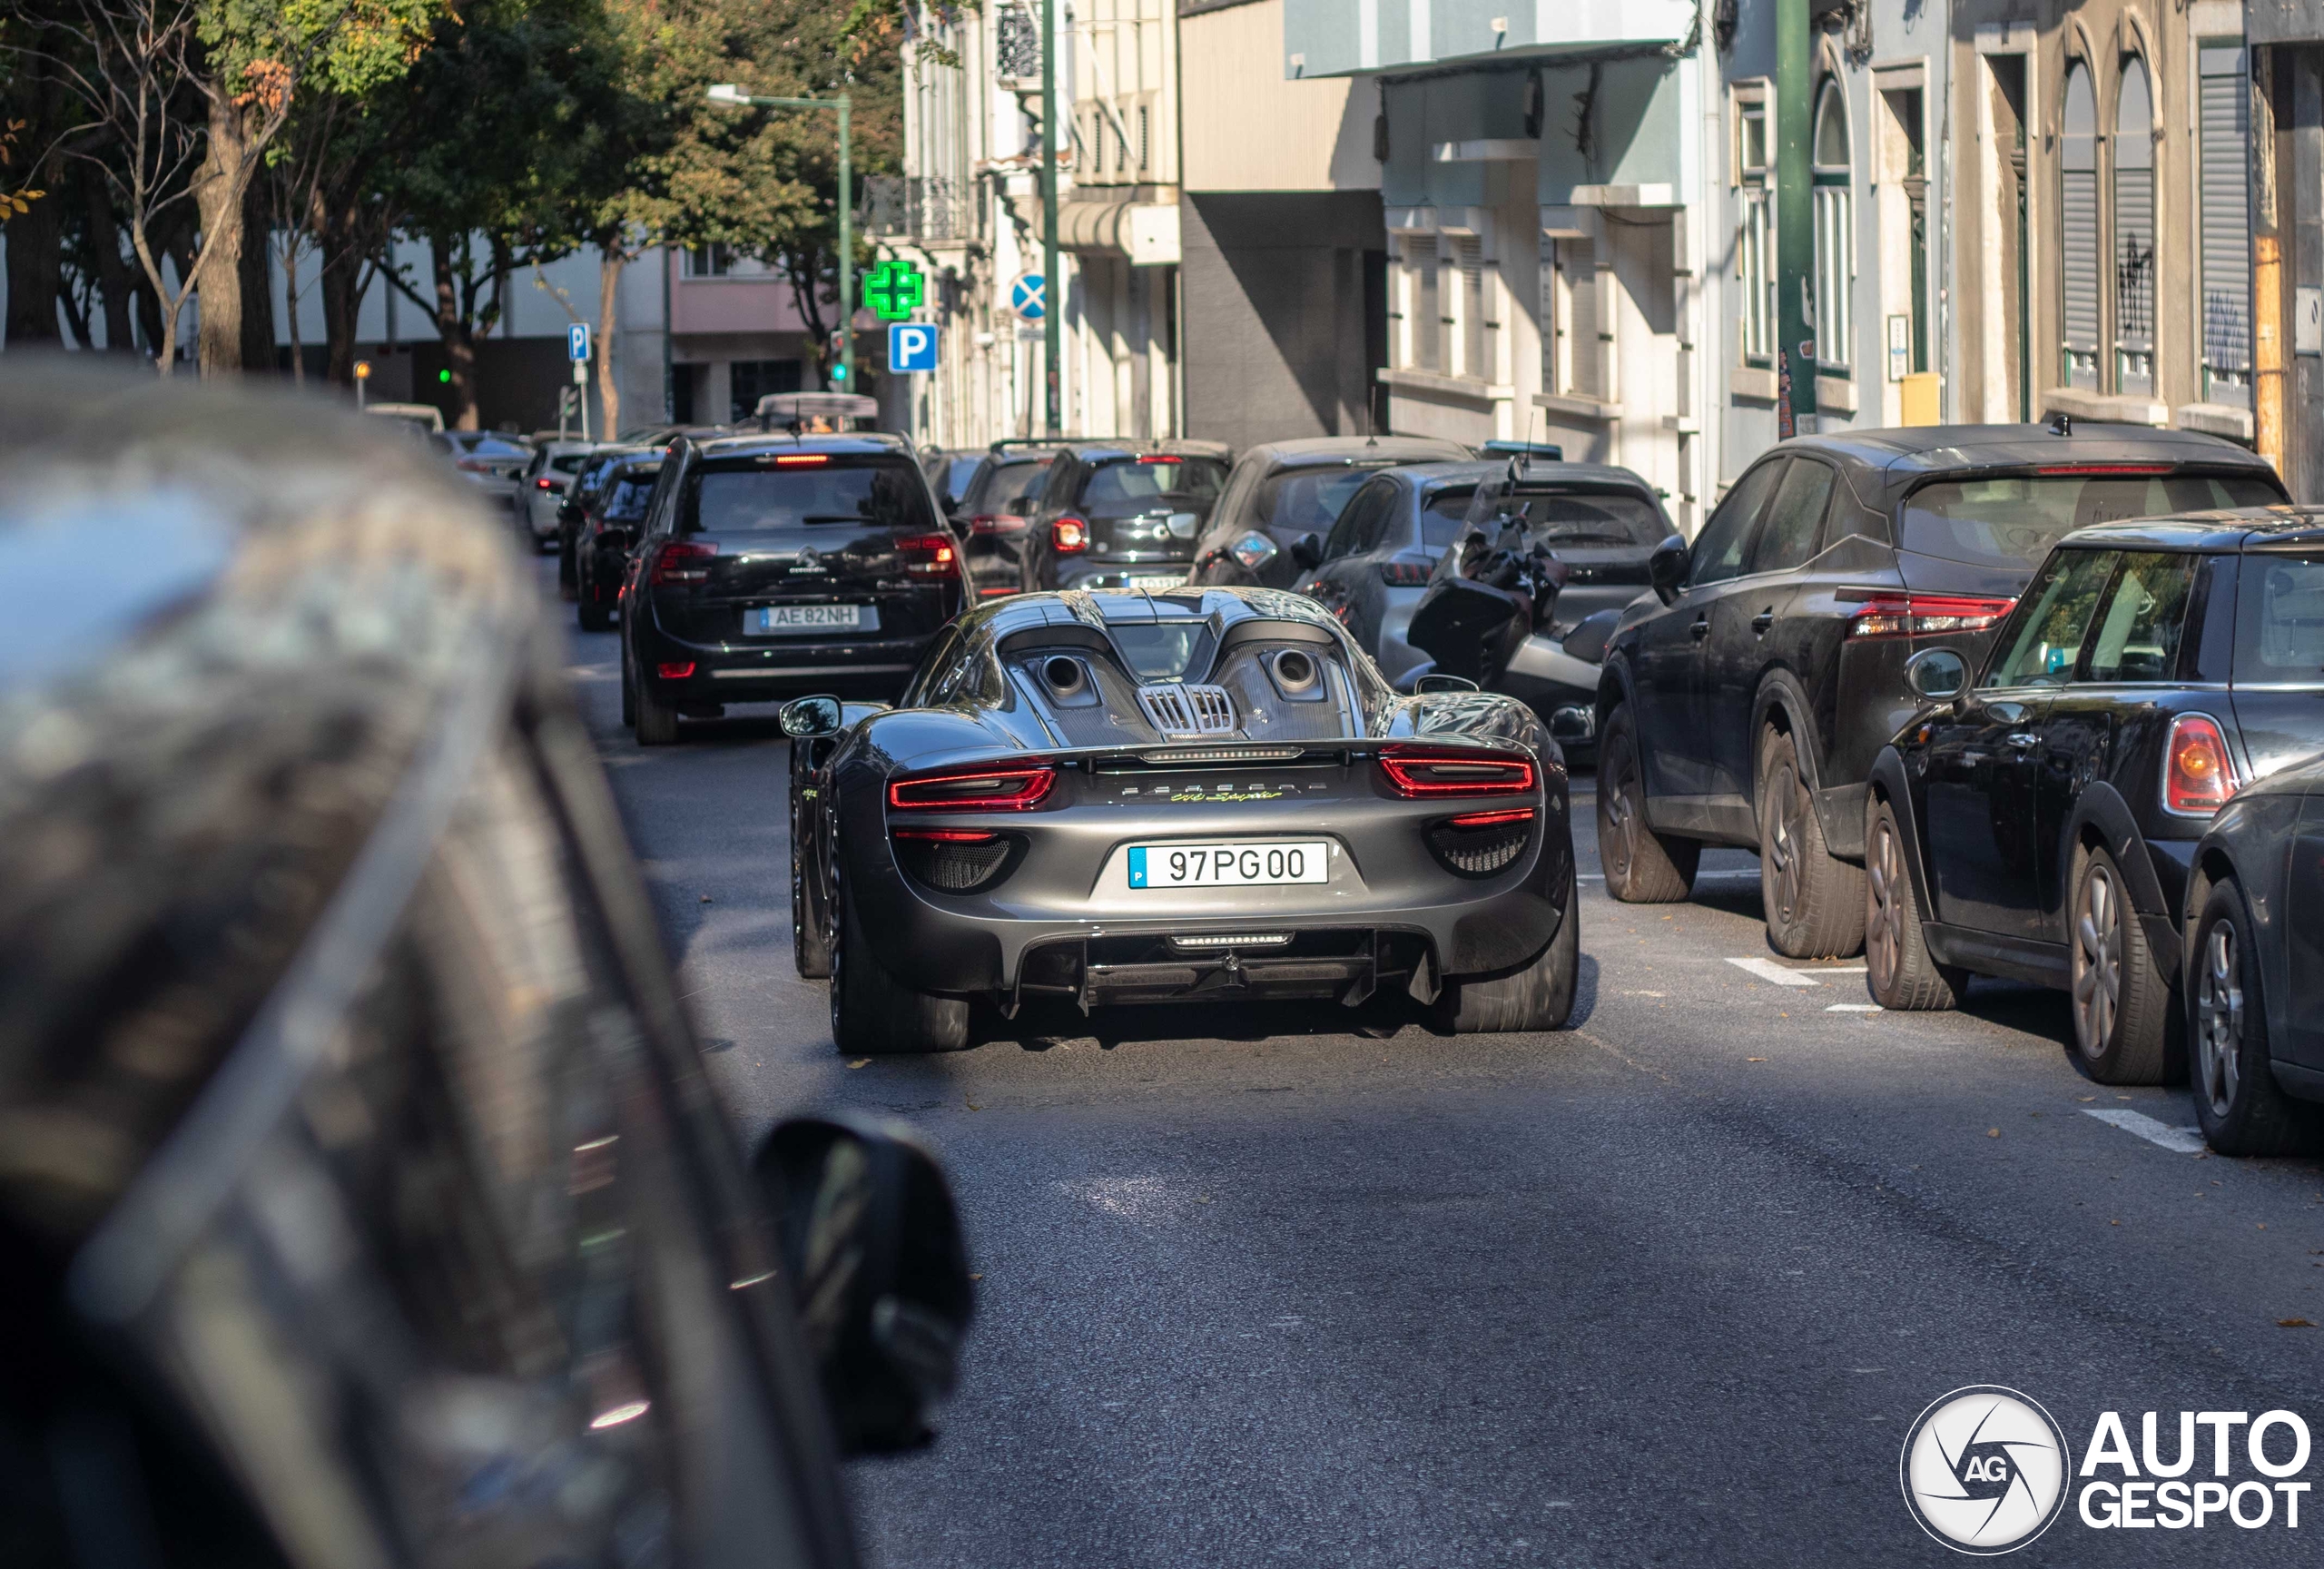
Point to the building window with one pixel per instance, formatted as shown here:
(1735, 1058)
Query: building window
(1570, 359)
(2078, 251)
(1832, 170)
(1755, 241)
(1143, 142)
(715, 261)
(1423, 312)
(1476, 328)
(2225, 110)
(2135, 233)
(752, 379)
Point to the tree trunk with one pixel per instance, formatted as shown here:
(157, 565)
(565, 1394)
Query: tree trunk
(342, 260)
(612, 258)
(258, 284)
(459, 338)
(218, 196)
(114, 282)
(149, 315)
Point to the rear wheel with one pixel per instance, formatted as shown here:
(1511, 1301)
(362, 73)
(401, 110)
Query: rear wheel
(2121, 1005)
(810, 947)
(2242, 1110)
(1643, 867)
(873, 1013)
(1537, 996)
(629, 694)
(1897, 969)
(657, 722)
(1814, 900)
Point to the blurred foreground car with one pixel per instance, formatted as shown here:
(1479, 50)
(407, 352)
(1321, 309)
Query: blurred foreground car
(363, 1199)
(2040, 821)
(1118, 797)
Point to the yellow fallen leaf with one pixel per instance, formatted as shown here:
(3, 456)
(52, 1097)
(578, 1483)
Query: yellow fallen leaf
(1754, 1059)
(861, 1062)
(2294, 1323)
(1993, 1133)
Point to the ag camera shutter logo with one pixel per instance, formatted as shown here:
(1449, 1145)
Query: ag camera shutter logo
(1984, 1470)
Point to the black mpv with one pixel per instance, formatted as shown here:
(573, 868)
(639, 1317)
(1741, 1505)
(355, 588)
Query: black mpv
(2041, 821)
(1744, 703)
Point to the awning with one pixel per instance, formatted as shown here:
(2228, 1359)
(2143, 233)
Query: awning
(1146, 232)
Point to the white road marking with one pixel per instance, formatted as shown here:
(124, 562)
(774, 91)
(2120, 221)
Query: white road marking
(1838, 970)
(1770, 971)
(1854, 1008)
(2177, 1140)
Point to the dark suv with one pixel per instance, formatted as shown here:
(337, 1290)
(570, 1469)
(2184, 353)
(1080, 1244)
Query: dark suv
(1745, 707)
(770, 565)
(2040, 820)
(1121, 515)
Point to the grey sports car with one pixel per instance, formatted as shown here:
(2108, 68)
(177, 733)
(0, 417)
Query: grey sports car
(1207, 795)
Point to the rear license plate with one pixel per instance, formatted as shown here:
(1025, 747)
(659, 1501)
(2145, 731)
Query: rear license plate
(782, 619)
(1236, 865)
(1159, 580)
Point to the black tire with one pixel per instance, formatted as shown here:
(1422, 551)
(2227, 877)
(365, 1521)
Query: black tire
(1897, 969)
(1641, 866)
(629, 693)
(2120, 1003)
(873, 1013)
(810, 944)
(2236, 1099)
(1814, 900)
(568, 566)
(1535, 996)
(657, 722)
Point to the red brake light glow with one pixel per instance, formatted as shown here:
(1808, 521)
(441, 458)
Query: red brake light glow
(1419, 773)
(927, 553)
(683, 562)
(802, 459)
(545, 483)
(947, 835)
(1015, 788)
(674, 670)
(1887, 614)
(1069, 535)
(1161, 459)
(1488, 819)
(2198, 776)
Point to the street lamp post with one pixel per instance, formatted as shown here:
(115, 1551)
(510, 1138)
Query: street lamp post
(728, 94)
(1052, 286)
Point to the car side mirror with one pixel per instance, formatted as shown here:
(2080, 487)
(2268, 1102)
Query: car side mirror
(1938, 674)
(1307, 552)
(803, 717)
(1667, 567)
(871, 1240)
(1437, 682)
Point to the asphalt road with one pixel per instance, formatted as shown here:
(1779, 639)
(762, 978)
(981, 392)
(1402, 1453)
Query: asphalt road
(1313, 1286)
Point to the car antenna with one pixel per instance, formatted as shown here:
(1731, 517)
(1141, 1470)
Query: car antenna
(1371, 434)
(2061, 423)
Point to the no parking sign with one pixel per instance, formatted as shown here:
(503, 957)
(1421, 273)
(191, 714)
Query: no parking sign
(912, 346)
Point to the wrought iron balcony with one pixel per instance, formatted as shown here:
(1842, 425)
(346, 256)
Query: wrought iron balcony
(919, 207)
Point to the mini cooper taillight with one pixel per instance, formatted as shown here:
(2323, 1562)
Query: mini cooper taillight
(1887, 614)
(1069, 534)
(928, 554)
(1015, 787)
(1419, 773)
(2198, 776)
(682, 562)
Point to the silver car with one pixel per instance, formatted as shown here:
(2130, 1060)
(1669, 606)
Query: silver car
(545, 483)
(491, 460)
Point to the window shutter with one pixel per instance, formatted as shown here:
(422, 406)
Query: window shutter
(2078, 275)
(2224, 107)
(2134, 256)
(1473, 309)
(1579, 258)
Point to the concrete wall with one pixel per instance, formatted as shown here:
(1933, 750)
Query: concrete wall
(1248, 127)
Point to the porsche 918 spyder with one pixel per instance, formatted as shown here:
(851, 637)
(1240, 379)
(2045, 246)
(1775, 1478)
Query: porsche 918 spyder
(1202, 795)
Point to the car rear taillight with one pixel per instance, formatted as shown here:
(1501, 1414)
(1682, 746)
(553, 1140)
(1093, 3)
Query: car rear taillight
(1013, 788)
(1419, 773)
(802, 461)
(1069, 535)
(1404, 574)
(2101, 469)
(545, 484)
(927, 553)
(997, 523)
(1488, 819)
(1159, 458)
(683, 562)
(674, 669)
(2198, 777)
(1887, 614)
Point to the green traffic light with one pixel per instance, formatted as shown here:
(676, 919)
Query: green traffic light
(839, 373)
(443, 375)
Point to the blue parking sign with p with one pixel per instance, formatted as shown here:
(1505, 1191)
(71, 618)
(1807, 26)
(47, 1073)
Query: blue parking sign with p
(912, 346)
(577, 340)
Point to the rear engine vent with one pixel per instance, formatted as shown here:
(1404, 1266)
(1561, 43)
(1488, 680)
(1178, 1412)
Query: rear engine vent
(1481, 843)
(1177, 709)
(950, 863)
(1298, 675)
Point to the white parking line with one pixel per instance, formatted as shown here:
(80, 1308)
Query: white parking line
(1770, 971)
(2177, 1140)
(1855, 1008)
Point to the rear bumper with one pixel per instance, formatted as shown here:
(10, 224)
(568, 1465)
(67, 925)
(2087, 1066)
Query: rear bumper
(773, 671)
(1118, 574)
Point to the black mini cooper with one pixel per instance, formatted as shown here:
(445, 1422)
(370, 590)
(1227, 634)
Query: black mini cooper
(2039, 818)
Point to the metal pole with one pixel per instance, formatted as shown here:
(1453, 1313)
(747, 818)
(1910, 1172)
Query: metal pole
(1052, 286)
(669, 348)
(846, 252)
(1794, 214)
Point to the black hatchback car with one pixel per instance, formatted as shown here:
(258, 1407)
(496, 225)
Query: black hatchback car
(774, 565)
(1747, 705)
(2040, 820)
(1121, 515)
(607, 532)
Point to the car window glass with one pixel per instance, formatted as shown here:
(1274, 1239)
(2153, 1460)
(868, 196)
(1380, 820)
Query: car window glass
(2042, 637)
(1306, 501)
(1795, 518)
(569, 463)
(753, 494)
(1003, 483)
(1153, 479)
(658, 510)
(1586, 516)
(2279, 623)
(1718, 553)
(1441, 515)
(2013, 521)
(2137, 638)
(1162, 651)
(1347, 536)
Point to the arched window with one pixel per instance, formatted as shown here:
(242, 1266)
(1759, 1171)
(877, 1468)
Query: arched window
(1835, 227)
(2135, 233)
(2078, 219)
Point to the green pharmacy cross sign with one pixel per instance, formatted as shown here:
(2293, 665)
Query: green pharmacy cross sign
(895, 290)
